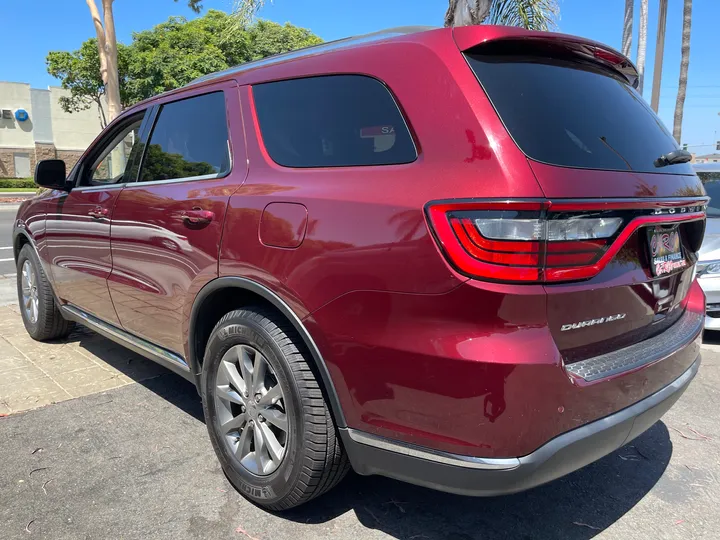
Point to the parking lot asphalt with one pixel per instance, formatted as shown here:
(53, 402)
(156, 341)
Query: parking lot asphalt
(135, 462)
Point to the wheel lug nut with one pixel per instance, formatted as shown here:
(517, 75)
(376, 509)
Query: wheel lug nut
(260, 418)
(242, 408)
(257, 398)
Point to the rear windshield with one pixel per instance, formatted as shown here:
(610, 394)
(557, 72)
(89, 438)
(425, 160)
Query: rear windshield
(571, 112)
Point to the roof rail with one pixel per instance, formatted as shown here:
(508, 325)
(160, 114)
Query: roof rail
(316, 49)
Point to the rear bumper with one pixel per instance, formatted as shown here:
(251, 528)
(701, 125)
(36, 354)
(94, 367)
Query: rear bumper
(465, 475)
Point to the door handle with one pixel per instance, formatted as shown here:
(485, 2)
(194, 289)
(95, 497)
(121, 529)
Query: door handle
(98, 212)
(197, 215)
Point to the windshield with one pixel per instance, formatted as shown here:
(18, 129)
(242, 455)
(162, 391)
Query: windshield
(567, 111)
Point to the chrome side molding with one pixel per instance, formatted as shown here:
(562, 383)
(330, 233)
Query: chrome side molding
(149, 350)
(468, 462)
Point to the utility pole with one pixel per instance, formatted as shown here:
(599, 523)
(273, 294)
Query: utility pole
(659, 52)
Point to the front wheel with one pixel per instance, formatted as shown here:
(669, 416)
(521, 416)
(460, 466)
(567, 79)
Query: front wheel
(40, 314)
(268, 421)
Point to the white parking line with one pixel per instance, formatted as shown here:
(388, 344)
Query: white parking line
(7, 260)
(6, 247)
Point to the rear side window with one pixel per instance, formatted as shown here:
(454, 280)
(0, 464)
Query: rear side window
(332, 121)
(190, 139)
(570, 112)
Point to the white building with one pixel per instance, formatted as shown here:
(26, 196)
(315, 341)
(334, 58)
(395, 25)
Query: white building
(33, 126)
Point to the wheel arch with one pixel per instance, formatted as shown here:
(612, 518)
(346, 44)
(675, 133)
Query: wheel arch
(234, 292)
(20, 238)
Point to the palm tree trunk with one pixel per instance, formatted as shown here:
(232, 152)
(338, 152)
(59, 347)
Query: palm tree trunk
(627, 28)
(642, 44)
(659, 53)
(684, 64)
(466, 12)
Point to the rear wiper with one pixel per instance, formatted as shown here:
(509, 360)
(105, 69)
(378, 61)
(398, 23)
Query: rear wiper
(673, 158)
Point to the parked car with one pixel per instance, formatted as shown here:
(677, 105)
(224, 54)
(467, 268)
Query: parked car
(708, 267)
(463, 258)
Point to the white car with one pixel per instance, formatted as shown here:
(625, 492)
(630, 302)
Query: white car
(708, 267)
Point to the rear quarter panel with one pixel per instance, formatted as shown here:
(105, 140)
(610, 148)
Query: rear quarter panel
(366, 228)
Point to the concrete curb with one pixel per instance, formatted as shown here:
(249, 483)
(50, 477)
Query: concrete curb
(25, 194)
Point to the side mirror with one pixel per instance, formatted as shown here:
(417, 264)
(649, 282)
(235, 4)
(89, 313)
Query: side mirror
(50, 173)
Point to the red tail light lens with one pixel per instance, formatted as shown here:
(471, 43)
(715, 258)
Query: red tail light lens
(529, 242)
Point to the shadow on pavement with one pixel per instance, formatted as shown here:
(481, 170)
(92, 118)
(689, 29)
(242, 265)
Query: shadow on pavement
(156, 378)
(578, 506)
(711, 337)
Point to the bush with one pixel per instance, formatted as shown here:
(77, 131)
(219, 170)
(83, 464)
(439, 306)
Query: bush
(19, 183)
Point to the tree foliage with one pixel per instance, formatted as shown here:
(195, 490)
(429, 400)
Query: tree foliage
(79, 72)
(171, 55)
(529, 14)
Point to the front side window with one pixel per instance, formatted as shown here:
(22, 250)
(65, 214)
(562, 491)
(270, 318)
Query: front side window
(190, 139)
(111, 164)
(332, 121)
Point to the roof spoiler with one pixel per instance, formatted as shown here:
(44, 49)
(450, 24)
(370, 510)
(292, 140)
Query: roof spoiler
(470, 37)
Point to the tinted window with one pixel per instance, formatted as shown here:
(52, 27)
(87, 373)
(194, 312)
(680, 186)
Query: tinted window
(189, 139)
(571, 113)
(113, 161)
(333, 121)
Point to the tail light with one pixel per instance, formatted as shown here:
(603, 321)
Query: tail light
(540, 241)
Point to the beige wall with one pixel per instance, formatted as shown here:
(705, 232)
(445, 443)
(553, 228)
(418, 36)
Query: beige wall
(14, 134)
(72, 131)
(49, 132)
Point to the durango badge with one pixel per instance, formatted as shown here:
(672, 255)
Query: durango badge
(592, 322)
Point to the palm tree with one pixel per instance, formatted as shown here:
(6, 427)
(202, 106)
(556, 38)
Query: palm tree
(642, 43)
(530, 14)
(627, 28)
(684, 64)
(659, 53)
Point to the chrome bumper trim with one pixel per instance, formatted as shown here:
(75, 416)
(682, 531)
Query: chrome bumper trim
(429, 454)
(570, 439)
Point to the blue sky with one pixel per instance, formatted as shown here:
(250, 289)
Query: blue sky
(32, 28)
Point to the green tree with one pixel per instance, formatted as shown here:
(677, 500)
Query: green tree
(79, 72)
(266, 38)
(108, 50)
(170, 55)
(178, 51)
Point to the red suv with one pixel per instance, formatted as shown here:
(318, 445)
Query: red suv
(463, 258)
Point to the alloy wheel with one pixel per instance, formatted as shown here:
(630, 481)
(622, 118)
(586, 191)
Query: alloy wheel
(30, 292)
(251, 410)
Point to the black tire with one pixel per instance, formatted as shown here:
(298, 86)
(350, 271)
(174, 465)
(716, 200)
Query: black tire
(314, 460)
(50, 324)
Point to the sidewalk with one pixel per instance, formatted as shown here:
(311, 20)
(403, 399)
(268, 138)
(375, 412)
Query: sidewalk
(34, 374)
